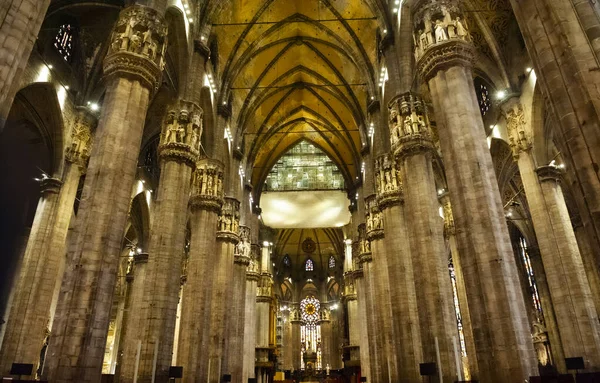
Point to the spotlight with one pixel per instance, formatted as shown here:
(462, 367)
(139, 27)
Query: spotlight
(500, 94)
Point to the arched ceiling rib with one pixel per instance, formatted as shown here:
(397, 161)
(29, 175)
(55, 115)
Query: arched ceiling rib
(298, 70)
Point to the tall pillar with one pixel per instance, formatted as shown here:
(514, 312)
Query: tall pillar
(296, 338)
(326, 338)
(502, 337)
(220, 318)
(32, 306)
(264, 298)
(76, 349)
(590, 264)
(469, 361)
(413, 147)
(563, 46)
(405, 312)
(252, 277)
(572, 300)
(178, 152)
(350, 299)
(362, 314)
(236, 310)
(130, 342)
(21, 22)
(205, 204)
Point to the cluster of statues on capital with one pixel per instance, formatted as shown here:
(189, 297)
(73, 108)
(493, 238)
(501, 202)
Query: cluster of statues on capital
(207, 182)
(183, 130)
(374, 222)
(228, 223)
(408, 126)
(365, 246)
(440, 30)
(137, 41)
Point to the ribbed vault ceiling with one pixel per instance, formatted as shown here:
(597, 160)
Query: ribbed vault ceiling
(298, 69)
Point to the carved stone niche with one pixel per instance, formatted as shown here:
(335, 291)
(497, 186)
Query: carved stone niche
(207, 185)
(410, 127)
(374, 219)
(437, 22)
(243, 250)
(364, 245)
(80, 148)
(229, 221)
(182, 133)
(388, 181)
(138, 45)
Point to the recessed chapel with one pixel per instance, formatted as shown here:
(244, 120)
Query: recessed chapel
(261, 191)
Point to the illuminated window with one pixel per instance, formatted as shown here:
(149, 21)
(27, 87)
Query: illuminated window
(287, 262)
(309, 265)
(63, 41)
(304, 167)
(533, 290)
(461, 334)
(310, 331)
(331, 262)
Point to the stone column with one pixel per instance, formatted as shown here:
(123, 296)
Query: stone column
(504, 346)
(326, 338)
(252, 277)
(590, 265)
(399, 267)
(205, 203)
(21, 22)
(350, 298)
(413, 147)
(264, 298)
(236, 308)
(296, 338)
(469, 361)
(178, 152)
(220, 315)
(130, 347)
(564, 52)
(362, 314)
(572, 301)
(132, 71)
(32, 306)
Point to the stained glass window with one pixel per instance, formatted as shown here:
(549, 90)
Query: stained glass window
(310, 331)
(287, 262)
(63, 41)
(483, 96)
(309, 265)
(304, 167)
(461, 334)
(331, 262)
(524, 255)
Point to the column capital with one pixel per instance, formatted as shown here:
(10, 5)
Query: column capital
(80, 148)
(138, 46)
(229, 221)
(182, 133)
(374, 219)
(201, 48)
(388, 182)
(140, 258)
(410, 128)
(207, 185)
(519, 140)
(549, 173)
(50, 185)
(442, 37)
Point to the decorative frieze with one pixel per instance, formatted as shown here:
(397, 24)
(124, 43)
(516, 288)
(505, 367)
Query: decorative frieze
(374, 219)
(518, 138)
(324, 314)
(437, 22)
(229, 221)
(80, 147)
(207, 185)
(138, 46)
(388, 181)
(181, 134)
(410, 127)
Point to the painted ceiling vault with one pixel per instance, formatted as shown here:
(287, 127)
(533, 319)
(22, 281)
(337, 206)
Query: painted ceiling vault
(298, 70)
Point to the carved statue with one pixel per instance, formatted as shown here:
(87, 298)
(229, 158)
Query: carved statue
(135, 42)
(170, 130)
(440, 32)
(369, 223)
(388, 181)
(408, 128)
(209, 185)
(461, 32)
(376, 221)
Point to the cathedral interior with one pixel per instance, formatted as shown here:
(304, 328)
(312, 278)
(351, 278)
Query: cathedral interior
(265, 191)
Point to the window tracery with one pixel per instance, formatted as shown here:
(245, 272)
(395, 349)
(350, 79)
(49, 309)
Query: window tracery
(533, 289)
(63, 42)
(287, 262)
(332, 262)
